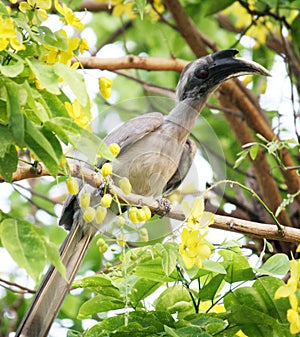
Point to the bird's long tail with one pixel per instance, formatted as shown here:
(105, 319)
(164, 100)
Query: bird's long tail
(54, 287)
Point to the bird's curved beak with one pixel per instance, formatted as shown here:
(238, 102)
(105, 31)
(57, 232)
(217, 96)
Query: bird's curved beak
(226, 65)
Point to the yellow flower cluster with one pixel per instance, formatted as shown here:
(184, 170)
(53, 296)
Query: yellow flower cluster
(39, 8)
(65, 56)
(289, 290)
(77, 113)
(121, 7)
(242, 19)
(68, 15)
(194, 249)
(9, 35)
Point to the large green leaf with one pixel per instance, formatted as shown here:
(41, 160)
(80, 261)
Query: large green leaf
(8, 162)
(41, 147)
(25, 244)
(74, 80)
(45, 74)
(12, 70)
(277, 264)
(16, 97)
(139, 324)
(237, 266)
(100, 303)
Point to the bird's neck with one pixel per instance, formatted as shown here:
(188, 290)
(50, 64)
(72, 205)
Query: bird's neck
(185, 114)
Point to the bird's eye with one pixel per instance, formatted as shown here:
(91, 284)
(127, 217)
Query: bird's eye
(202, 73)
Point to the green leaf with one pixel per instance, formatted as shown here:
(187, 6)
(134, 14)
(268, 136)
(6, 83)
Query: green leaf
(237, 267)
(253, 151)
(169, 258)
(6, 139)
(213, 7)
(209, 290)
(295, 30)
(173, 299)
(74, 80)
(241, 156)
(45, 74)
(41, 147)
(12, 70)
(16, 95)
(54, 257)
(139, 324)
(8, 163)
(277, 264)
(100, 303)
(24, 243)
(53, 39)
(100, 284)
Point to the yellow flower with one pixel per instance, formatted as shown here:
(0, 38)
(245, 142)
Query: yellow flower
(83, 45)
(69, 17)
(120, 8)
(9, 35)
(241, 334)
(289, 290)
(77, 113)
(39, 7)
(195, 215)
(294, 320)
(63, 56)
(105, 85)
(193, 248)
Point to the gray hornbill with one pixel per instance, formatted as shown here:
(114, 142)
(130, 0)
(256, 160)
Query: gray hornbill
(155, 155)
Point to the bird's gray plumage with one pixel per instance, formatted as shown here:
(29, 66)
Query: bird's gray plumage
(155, 155)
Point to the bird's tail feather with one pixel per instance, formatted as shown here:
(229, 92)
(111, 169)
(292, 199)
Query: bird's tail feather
(54, 287)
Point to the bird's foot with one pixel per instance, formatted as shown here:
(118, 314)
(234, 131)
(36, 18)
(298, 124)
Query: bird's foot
(164, 207)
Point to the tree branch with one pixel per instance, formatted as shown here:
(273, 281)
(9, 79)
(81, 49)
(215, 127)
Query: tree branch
(253, 229)
(133, 62)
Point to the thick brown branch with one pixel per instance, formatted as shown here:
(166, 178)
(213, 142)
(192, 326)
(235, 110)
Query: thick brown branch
(227, 223)
(133, 62)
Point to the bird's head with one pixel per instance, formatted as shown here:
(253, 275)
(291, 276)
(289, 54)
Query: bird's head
(201, 77)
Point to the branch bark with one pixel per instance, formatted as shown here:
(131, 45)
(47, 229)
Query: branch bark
(250, 228)
(133, 62)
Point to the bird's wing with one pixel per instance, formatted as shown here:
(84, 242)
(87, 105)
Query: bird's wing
(185, 163)
(124, 135)
(133, 130)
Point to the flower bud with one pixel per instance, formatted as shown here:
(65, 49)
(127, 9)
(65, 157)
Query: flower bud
(84, 200)
(72, 186)
(144, 236)
(106, 200)
(89, 214)
(100, 215)
(114, 149)
(106, 169)
(103, 248)
(100, 242)
(125, 185)
(147, 212)
(133, 215)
